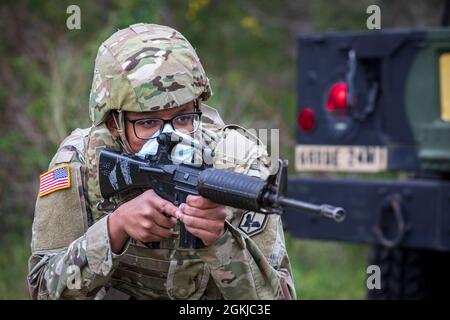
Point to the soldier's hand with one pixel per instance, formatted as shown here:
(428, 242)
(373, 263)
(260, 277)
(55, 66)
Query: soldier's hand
(143, 218)
(203, 218)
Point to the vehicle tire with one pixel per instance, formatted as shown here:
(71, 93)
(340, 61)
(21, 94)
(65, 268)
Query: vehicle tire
(410, 273)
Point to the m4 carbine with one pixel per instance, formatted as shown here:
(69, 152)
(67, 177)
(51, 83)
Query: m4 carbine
(120, 172)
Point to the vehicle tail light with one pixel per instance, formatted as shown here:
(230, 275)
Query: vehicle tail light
(337, 97)
(306, 119)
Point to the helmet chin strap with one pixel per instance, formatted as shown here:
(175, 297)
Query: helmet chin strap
(120, 125)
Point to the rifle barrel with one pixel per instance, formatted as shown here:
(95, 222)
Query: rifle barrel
(324, 210)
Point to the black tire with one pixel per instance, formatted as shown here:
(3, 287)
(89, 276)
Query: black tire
(410, 274)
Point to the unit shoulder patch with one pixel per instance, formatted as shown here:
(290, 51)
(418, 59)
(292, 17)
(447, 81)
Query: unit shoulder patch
(253, 222)
(55, 179)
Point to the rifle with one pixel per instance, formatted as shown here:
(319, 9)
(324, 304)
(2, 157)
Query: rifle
(120, 172)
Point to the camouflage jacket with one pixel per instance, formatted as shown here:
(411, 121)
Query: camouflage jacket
(72, 258)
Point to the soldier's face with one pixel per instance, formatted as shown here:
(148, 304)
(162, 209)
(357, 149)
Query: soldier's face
(136, 142)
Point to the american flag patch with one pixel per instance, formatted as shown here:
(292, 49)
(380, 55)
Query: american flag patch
(55, 179)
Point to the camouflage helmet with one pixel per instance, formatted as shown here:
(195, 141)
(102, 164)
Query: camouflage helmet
(145, 67)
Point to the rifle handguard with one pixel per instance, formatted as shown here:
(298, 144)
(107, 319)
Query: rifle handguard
(231, 188)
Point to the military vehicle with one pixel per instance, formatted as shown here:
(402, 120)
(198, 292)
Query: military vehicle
(374, 110)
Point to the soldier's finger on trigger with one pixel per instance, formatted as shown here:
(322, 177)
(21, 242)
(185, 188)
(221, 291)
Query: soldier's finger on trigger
(162, 220)
(161, 204)
(168, 207)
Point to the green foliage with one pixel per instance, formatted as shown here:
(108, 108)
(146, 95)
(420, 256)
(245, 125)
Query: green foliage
(340, 16)
(10, 142)
(13, 266)
(326, 270)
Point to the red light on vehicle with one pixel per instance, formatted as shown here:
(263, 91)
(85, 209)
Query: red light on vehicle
(337, 98)
(306, 119)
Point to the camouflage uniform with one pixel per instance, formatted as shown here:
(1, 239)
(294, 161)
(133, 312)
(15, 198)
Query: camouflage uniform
(71, 253)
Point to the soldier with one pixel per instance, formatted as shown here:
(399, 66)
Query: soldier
(147, 79)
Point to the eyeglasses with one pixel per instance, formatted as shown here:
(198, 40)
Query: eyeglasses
(151, 127)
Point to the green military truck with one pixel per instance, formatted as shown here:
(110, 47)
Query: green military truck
(374, 110)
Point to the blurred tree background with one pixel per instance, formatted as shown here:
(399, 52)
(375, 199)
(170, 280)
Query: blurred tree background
(248, 49)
